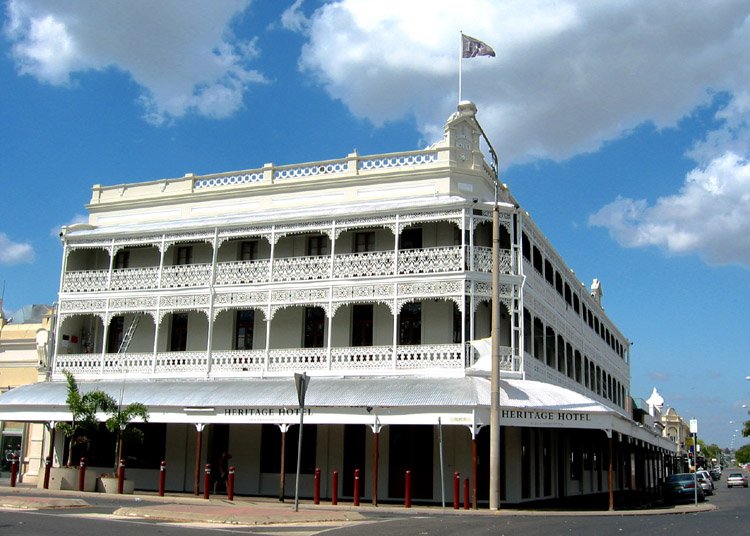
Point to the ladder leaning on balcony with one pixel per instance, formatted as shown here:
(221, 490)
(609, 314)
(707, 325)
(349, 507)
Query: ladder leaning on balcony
(125, 343)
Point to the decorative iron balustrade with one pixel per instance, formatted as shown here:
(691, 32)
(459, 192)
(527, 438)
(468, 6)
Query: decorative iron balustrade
(254, 363)
(186, 275)
(353, 165)
(444, 259)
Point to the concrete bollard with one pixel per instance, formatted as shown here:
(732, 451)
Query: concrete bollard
(356, 487)
(13, 470)
(120, 476)
(230, 484)
(207, 482)
(316, 487)
(47, 467)
(82, 474)
(162, 477)
(456, 482)
(407, 491)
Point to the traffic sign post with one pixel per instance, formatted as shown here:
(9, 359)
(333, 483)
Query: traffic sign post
(301, 381)
(694, 431)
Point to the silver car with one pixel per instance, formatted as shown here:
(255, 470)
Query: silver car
(736, 479)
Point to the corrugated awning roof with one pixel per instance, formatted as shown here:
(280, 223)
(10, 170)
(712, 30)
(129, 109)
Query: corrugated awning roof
(322, 392)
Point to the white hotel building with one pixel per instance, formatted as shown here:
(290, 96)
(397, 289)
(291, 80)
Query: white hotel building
(372, 275)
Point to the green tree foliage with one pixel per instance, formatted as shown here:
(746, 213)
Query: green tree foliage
(83, 408)
(709, 451)
(746, 429)
(743, 454)
(118, 421)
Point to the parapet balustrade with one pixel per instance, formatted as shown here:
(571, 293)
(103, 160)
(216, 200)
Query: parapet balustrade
(254, 363)
(435, 260)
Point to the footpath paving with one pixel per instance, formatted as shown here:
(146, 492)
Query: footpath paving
(265, 511)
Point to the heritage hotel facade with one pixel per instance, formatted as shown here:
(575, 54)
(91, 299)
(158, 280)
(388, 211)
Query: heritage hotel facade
(372, 274)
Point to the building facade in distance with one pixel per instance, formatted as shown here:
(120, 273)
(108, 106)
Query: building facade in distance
(24, 352)
(202, 296)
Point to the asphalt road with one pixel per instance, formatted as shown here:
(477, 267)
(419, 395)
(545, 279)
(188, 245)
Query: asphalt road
(730, 517)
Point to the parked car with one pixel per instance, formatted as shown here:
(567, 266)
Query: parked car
(709, 482)
(736, 479)
(680, 487)
(705, 485)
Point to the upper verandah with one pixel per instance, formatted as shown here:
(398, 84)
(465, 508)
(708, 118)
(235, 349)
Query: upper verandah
(453, 166)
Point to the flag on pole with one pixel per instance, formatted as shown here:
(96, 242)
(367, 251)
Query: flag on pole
(471, 48)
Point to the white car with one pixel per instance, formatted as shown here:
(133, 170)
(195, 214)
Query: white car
(736, 479)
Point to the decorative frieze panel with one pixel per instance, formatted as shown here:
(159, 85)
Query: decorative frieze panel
(138, 303)
(431, 289)
(451, 216)
(384, 222)
(237, 299)
(362, 293)
(191, 301)
(82, 306)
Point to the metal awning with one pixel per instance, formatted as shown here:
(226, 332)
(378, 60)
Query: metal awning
(353, 400)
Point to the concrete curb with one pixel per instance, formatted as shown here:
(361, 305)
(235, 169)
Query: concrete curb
(267, 511)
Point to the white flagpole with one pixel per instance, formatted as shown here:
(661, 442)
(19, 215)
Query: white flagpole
(460, 62)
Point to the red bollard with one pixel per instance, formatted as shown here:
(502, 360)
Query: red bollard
(230, 484)
(456, 482)
(47, 466)
(316, 487)
(356, 487)
(120, 476)
(207, 482)
(335, 488)
(162, 477)
(82, 474)
(13, 470)
(466, 494)
(407, 491)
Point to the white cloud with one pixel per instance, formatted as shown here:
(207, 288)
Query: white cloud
(568, 76)
(14, 252)
(77, 218)
(709, 216)
(181, 52)
(293, 18)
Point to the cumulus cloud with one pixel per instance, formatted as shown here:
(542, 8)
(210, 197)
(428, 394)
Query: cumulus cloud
(709, 216)
(568, 76)
(14, 252)
(182, 53)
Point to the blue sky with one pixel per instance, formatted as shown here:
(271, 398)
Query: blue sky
(622, 127)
